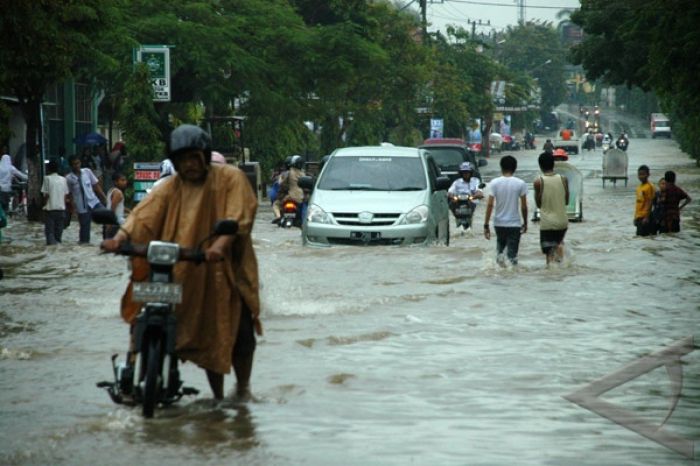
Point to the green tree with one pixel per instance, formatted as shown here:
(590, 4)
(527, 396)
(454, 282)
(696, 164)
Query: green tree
(139, 119)
(652, 44)
(41, 43)
(535, 50)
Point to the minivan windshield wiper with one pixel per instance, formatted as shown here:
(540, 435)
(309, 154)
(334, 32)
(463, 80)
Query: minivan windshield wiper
(409, 188)
(357, 188)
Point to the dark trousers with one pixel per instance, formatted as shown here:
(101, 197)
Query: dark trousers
(5, 200)
(84, 232)
(53, 225)
(508, 237)
(645, 229)
(84, 222)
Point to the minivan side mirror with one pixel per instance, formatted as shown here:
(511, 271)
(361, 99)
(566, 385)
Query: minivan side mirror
(442, 183)
(483, 162)
(306, 182)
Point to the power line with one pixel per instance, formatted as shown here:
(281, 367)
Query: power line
(548, 7)
(406, 5)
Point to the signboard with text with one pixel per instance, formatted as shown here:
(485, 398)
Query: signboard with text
(145, 176)
(436, 127)
(157, 59)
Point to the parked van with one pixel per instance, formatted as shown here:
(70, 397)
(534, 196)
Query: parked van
(660, 125)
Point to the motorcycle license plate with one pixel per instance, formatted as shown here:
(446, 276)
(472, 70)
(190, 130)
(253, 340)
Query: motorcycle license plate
(463, 211)
(147, 292)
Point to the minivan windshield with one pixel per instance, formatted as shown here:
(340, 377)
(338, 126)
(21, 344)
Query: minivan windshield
(370, 173)
(447, 158)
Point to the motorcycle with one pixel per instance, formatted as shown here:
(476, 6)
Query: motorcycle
(529, 141)
(291, 215)
(150, 374)
(475, 147)
(463, 209)
(509, 143)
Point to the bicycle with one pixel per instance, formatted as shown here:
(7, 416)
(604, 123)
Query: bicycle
(18, 200)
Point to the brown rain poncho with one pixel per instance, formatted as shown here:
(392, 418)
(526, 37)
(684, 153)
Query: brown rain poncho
(184, 213)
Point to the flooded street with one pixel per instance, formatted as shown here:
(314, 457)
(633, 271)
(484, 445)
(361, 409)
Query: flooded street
(379, 355)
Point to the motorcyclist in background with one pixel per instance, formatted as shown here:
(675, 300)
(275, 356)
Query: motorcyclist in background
(466, 184)
(289, 186)
(548, 146)
(622, 142)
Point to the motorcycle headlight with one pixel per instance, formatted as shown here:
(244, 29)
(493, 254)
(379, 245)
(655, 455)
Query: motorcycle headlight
(417, 215)
(163, 253)
(318, 215)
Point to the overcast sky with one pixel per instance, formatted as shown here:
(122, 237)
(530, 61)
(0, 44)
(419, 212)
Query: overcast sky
(501, 13)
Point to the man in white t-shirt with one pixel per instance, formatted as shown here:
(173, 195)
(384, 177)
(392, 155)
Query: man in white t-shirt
(509, 194)
(55, 191)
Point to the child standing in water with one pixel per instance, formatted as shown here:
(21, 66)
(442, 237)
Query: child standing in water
(658, 211)
(115, 202)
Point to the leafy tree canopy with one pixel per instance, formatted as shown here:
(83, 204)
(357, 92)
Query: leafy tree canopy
(653, 44)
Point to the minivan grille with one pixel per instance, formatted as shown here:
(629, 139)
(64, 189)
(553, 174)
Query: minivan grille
(351, 219)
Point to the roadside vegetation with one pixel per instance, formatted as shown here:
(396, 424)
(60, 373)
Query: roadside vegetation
(652, 45)
(306, 76)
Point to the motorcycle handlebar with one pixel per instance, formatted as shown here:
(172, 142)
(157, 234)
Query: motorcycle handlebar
(141, 250)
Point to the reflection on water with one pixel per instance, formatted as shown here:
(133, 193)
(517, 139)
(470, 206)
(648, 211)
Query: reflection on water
(387, 356)
(201, 426)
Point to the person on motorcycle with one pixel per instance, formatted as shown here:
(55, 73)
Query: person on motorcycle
(289, 186)
(548, 146)
(466, 184)
(529, 140)
(622, 142)
(218, 317)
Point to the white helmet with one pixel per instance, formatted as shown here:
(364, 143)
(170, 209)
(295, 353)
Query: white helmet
(466, 167)
(166, 168)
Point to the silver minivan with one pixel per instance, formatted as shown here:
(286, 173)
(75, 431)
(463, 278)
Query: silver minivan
(377, 195)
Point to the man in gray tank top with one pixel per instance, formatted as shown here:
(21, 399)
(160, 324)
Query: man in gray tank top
(551, 197)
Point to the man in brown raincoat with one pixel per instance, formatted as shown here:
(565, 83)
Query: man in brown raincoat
(218, 317)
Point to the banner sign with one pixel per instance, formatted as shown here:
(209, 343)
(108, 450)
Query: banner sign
(145, 176)
(157, 59)
(436, 127)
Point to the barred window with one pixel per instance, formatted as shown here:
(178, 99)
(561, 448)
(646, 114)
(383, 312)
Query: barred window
(53, 102)
(83, 104)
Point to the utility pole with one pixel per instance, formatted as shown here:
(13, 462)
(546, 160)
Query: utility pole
(521, 12)
(477, 22)
(424, 18)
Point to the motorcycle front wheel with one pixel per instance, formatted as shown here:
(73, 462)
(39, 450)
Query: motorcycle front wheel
(150, 392)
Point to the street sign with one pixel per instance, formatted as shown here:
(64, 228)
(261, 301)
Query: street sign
(145, 176)
(157, 59)
(498, 91)
(436, 127)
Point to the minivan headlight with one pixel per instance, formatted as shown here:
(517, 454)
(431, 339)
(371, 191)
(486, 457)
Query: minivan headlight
(317, 215)
(417, 215)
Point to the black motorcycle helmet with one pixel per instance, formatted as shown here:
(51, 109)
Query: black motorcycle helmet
(297, 162)
(189, 137)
